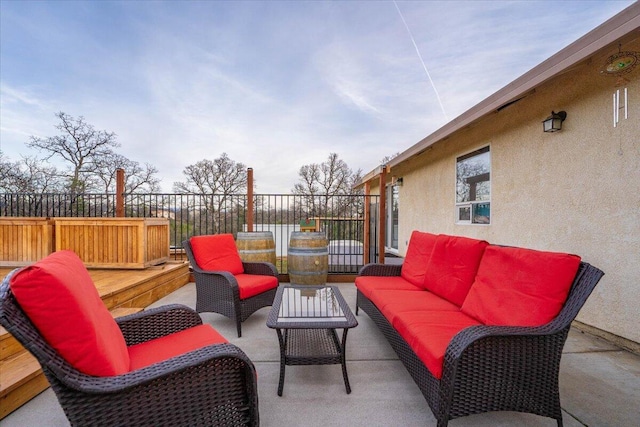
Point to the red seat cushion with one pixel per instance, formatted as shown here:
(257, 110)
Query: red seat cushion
(453, 266)
(367, 284)
(59, 297)
(520, 287)
(429, 333)
(251, 285)
(391, 302)
(172, 345)
(417, 257)
(217, 252)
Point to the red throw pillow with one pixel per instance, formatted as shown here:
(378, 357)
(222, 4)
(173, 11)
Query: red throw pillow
(453, 266)
(520, 287)
(217, 252)
(417, 257)
(59, 297)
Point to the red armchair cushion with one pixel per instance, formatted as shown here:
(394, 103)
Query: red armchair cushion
(254, 284)
(520, 287)
(59, 297)
(453, 266)
(430, 332)
(172, 345)
(417, 257)
(217, 252)
(367, 284)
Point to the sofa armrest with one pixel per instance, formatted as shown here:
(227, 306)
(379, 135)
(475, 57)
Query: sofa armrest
(380, 270)
(157, 322)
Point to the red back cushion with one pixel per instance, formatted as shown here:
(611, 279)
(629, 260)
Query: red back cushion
(60, 299)
(217, 252)
(520, 287)
(417, 257)
(453, 266)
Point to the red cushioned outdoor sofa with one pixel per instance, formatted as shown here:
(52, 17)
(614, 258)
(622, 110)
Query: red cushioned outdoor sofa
(158, 367)
(479, 327)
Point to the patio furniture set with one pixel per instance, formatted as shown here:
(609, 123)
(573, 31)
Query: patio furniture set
(479, 327)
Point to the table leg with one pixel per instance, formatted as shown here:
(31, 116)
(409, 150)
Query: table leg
(283, 345)
(343, 359)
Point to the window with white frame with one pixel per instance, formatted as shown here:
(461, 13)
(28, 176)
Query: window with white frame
(391, 238)
(473, 187)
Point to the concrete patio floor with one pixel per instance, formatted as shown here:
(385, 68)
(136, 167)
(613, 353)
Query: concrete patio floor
(599, 383)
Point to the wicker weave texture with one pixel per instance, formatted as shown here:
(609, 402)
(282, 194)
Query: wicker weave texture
(493, 368)
(212, 386)
(217, 291)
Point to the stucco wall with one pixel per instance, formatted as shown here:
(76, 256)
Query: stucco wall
(576, 191)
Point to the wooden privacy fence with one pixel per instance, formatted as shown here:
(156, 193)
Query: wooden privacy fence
(100, 242)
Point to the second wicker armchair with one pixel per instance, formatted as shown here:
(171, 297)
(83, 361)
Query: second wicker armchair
(224, 283)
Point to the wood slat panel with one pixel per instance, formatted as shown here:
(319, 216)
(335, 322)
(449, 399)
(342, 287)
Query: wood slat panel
(115, 242)
(24, 240)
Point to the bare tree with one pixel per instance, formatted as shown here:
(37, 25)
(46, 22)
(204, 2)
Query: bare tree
(29, 175)
(321, 185)
(331, 177)
(137, 177)
(219, 182)
(387, 159)
(80, 145)
(220, 176)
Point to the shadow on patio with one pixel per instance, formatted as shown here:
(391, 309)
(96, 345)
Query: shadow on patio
(599, 383)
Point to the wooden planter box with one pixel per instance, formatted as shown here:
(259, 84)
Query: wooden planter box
(24, 241)
(134, 243)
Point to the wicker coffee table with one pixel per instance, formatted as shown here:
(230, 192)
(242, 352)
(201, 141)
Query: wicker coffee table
(305, 319)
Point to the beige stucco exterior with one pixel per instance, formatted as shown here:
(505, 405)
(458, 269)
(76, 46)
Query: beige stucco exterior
(577, 190)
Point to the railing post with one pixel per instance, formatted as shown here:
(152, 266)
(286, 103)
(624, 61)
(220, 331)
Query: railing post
(250, 199)
(383, 217)
(119, 193)
(367, 222)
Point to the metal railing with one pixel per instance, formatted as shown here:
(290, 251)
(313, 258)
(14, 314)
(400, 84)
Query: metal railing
(341, 218)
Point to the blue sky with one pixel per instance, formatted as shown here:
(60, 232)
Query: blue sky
(275, 85)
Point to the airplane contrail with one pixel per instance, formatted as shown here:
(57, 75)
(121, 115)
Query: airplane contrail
(421, 60)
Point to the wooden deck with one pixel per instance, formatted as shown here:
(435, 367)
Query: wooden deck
(123, 292)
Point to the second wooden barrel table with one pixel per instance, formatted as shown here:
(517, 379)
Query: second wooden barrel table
(308, 258)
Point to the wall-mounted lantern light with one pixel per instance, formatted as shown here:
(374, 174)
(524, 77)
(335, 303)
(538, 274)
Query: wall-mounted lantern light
(553, 123)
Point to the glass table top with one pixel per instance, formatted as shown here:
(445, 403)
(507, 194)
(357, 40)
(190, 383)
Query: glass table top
(310, 305)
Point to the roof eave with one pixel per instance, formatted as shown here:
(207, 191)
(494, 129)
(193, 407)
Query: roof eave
(611, 30)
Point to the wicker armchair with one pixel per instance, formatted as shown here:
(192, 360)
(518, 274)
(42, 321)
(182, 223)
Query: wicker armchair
(214, 385)
(492, 368)
(219, 291)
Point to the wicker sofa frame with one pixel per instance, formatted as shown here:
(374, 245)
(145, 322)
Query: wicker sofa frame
(212, 386)
(491, 368)
(218, 292)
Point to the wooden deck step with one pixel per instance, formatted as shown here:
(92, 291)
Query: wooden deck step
(8, 344)
(21, 379)
(124, 311)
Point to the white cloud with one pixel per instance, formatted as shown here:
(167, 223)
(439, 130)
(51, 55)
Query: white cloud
(275, 85)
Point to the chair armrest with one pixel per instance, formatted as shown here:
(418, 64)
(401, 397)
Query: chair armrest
(260, 268)
(380, 270)
(206, 359)
(157, 322)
